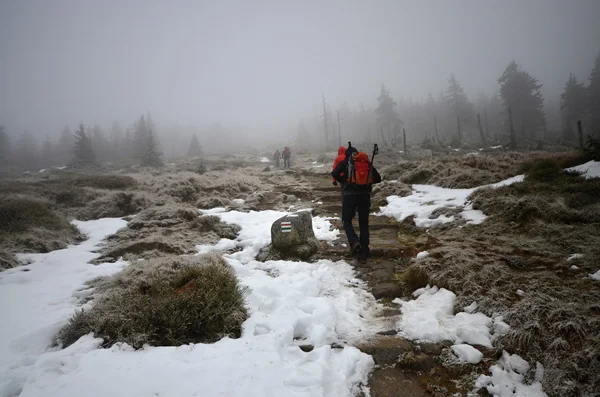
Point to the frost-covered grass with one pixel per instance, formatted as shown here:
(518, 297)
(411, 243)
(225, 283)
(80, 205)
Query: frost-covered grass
(472, 171)
(163, 302)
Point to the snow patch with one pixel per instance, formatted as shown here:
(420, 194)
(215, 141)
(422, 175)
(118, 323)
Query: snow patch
(574, 257)
(573, 267)
(591, 169)
(425, 199)
(507, 378)
(264, 160)
(595, 276)
(467, 353)
(422, 255)
(471, 308)
(431, 317)
(520, 292)
(238, 201)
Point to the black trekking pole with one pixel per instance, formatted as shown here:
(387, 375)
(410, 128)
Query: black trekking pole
(375, 152)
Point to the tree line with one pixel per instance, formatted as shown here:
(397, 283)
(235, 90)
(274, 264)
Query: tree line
(514, 115)
(88, 146)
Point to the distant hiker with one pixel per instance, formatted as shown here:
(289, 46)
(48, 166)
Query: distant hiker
(357, 176)
(286, 157)
(340, 157)
(276, 157)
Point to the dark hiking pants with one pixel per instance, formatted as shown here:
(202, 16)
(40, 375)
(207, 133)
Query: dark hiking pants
(286, 162)
(351, 204)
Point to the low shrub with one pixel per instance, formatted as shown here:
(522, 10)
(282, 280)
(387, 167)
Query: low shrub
(103, 181)
(18, 214)
(165, 302)
(544, 170)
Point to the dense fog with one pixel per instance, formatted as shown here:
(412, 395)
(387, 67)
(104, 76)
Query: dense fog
(260, 72)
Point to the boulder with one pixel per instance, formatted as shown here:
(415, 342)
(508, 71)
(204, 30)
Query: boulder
(292, 236)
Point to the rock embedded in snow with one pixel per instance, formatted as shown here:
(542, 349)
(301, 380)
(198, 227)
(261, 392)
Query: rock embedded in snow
(292, 236)
(467, 353)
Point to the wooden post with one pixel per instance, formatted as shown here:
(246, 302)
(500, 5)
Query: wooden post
(459, 132)
(339, 130)
(437, 134)
(513, 134)
(325, 123)
(485, 120)
(404, 138)
(483, 140)
(580, 131)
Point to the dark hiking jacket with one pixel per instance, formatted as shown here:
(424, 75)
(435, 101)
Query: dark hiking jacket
(350, 188)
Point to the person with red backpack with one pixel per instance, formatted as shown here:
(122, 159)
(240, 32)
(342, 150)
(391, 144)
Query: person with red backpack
(357, 176)
(277, 157)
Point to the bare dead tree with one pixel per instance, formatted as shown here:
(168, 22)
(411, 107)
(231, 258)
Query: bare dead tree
(483, 140)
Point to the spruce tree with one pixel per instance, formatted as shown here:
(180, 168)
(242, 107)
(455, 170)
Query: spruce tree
(573, 106)
(47, 156)
(521, 92)
(388, 119)
(458, 104)
(194, 150)
(150, 155)
(64, 151)
(83, 152)
(593, 98)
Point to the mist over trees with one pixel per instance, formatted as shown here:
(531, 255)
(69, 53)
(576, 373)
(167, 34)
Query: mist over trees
(447, 118)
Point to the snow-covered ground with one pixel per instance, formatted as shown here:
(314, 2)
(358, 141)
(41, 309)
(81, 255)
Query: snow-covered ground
(290, 304)
(37, 300)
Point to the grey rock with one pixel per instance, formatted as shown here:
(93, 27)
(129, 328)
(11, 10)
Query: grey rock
(387, 290)
(299, 242)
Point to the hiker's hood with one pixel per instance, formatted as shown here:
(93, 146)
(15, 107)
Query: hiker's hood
(341, 150)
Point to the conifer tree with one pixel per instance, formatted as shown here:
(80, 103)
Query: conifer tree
(4, 146)
(83, 152)
(521, 92)
(194, 150)
(593, 98)
(573, 106)
(150, 155)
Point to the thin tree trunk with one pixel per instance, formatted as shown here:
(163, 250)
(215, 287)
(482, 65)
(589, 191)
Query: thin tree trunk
(404, 137)
(325, 123)
(485, 120)
(580, 131)
(339, 130)
(382, 137)
(483, 140)
(459, 132)
(513, 134)
(437, 134)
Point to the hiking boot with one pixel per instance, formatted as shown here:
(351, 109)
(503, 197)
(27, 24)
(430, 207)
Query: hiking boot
(354, 248)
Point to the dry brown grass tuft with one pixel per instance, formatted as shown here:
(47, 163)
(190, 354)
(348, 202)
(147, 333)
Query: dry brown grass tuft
(163, 302)
(383, 190)
(170, 229)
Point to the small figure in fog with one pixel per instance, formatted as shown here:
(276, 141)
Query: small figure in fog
(287, 153)
(277, 157)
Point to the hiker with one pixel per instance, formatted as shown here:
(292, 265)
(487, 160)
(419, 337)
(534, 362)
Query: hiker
(340, 157)
(357, 176)
(286, 157)
(276, 157)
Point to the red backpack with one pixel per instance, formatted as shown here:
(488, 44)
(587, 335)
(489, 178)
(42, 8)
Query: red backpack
(361, 170)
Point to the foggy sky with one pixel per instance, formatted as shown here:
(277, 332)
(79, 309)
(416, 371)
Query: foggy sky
(259, 62)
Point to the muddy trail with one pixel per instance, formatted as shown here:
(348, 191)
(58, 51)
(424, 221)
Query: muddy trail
(403, 368)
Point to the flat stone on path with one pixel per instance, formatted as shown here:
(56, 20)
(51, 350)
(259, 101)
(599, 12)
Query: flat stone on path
(393, 382)
(386, 290)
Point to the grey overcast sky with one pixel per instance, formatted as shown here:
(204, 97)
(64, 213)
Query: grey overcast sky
(254, 62)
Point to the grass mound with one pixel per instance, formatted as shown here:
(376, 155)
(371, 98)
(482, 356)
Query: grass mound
(547, 194)
(163, 302)
(473, 170)
(19, 214)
